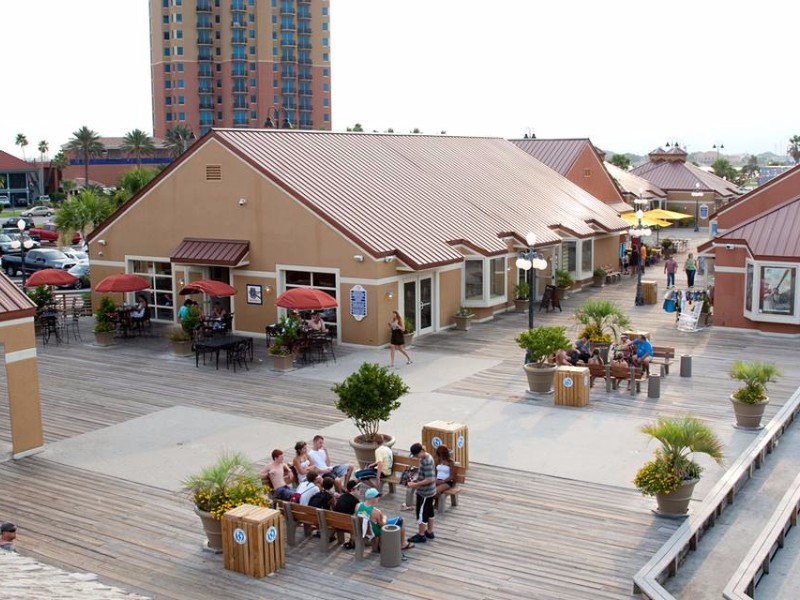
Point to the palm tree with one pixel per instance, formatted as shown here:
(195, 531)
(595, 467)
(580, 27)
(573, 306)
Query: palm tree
(681, 437)
(131, 182)
(82, 213)
(794, 148)
(87, 143)
(138, 143)
(43, 148)
(21, 141)
(67, 185)
(178, 139)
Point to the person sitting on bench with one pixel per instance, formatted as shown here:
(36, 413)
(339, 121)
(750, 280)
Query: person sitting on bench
(644, 353)
(368, 510)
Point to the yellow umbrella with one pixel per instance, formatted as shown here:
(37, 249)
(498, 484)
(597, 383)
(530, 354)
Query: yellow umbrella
(669, 215)
(631, 219)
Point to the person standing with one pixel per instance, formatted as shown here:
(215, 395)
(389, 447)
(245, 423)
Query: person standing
(8, 533)
(691, 270)
(670, 266)
(398, 341)
(425, 487)
(642, 257)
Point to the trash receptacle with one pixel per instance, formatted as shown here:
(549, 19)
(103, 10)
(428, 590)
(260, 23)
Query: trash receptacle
(686, 365)
(654, 385)
(453, 435)
(391, 550)
(253, 540)
(571, 386)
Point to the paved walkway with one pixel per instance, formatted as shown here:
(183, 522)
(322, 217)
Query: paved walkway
(25, 578)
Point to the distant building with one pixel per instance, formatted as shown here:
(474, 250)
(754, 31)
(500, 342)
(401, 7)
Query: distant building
(20, 180)
(771, 172)
(240, 63)
(106, 169)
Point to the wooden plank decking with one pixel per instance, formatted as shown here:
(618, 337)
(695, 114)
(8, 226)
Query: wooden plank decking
(514, 535)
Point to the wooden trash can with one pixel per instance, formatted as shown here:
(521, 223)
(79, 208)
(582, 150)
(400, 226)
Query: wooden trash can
(650, 292)
(453, 435)
(253, 540)
(572, 386)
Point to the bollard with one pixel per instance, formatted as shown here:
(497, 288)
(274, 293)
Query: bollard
(686, 365)
(654, 385)
(609, 381)
(391, 554)
(633, 383)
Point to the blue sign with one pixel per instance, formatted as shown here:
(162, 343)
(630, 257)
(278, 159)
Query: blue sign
(436, 441)
(567, 382)
(704, 211)
(272, 534)
(358, 302)
(239, 536)
(460, 442)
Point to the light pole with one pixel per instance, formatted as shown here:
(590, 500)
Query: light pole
(639, 232)
(697, 194)
(718, 147)
(23, 244)
(530, 261)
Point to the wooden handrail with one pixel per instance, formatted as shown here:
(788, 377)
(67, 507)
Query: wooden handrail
(743, 583)
(665, 562)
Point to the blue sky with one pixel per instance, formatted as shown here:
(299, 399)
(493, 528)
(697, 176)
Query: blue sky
(629, 75)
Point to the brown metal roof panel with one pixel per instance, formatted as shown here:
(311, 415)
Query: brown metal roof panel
(774, 233)
(201, 251)
(14, 303)
(683, 176)
(634, 184)
(559, 155)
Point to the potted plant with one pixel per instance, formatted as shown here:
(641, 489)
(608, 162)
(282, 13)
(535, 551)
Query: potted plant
(463, 319)
(603, 321)
(599, 277)
(281, 354)
(522, 292)
(705, 313)
(216, 489)
(750, 400)
(563, 283)
(540, 343)
(180, 337)
(368, 397)
(672, 474)
(104, 322)
(408, 330)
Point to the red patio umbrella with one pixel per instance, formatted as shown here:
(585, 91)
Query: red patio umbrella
(50, 277)
(121, 283)
(218, 289)
(305, 299)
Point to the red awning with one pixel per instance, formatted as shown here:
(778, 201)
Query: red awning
(200, 251)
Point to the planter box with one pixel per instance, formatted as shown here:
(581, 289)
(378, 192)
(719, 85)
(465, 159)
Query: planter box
(104, 338)
(181, 348)
(521, 306)
(463, 323)
(281, 362)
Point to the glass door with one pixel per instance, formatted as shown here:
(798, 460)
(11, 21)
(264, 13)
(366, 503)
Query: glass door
(418, 303)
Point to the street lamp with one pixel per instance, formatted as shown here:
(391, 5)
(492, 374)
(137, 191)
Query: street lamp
(697, 194)
(529, 261)
(22, 243)
(639, 232)
(718, 147)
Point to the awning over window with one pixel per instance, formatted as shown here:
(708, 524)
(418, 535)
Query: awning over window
(200, 251)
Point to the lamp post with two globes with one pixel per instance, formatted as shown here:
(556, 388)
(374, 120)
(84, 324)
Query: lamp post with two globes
(530, 261)
(24, 244)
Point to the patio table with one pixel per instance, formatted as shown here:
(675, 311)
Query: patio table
(217, 344)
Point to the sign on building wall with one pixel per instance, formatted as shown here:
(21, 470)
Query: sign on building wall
(358, 302)
(704, 211)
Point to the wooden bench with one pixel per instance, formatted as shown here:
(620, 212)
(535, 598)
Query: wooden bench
(399, 464)
(459, 477)
(613, 375)
(662, 356)
(297, 514)
(339, 523)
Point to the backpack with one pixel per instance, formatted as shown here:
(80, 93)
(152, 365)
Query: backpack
(408, 475)
(320, 500)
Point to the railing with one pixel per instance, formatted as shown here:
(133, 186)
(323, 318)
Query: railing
(742, 585)
(665, 563)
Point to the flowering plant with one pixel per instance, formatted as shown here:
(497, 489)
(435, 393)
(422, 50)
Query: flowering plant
(228, 483)
(659, 476)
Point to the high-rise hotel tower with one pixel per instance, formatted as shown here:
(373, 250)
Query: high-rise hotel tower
(240, 63)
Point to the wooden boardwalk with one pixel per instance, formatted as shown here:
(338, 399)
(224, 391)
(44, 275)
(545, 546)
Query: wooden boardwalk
(514, 534)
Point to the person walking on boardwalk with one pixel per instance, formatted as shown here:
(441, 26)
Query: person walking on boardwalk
(670, 266)
(398, 341)
(691, 270)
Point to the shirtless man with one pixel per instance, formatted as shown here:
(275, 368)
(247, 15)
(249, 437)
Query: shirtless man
(279, 475)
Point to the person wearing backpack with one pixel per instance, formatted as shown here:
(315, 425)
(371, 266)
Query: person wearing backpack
(324, 498)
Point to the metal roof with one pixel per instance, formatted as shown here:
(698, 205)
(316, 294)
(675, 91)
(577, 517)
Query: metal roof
(633, 184)
(773, 234)
(788, 174)
(677, 175)
(559, 155)
(418, 196)
(9, 162)
(14, 303)
(200, 251)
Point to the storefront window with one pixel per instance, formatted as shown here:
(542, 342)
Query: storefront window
(748, 294)
(159, 294)
(586, 256)
(498, 277)
(473, 279)
(321, 281)
(568, 257)
(777, 291)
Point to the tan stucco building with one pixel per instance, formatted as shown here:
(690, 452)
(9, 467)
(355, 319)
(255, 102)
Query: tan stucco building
(418, 224)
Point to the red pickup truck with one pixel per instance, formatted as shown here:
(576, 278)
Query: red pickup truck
(47, 232)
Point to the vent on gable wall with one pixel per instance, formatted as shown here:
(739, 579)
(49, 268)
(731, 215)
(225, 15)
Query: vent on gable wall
(213, 172)
(587, 172)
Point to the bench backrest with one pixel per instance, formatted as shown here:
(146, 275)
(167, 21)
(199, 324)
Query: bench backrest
(597, 370)
(305, 515)
(339, 521)
(664, 351)
(399, 463)
(625, 372)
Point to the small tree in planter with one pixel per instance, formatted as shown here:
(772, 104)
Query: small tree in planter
(603, 321)
(104, 322)
(540, 343)
(599, 277)
(750, 400)
(180, 337)
(408, 330)
(563, 283)
(463, 318)
(522, 293)
(672, 474)
(368, 397)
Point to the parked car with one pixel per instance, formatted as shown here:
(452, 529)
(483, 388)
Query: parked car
(36, 260)
(5, 202)
(6, 240)
(39, 211)
(48, 232)
(11, 223)
(76, 255)
(81, 271)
